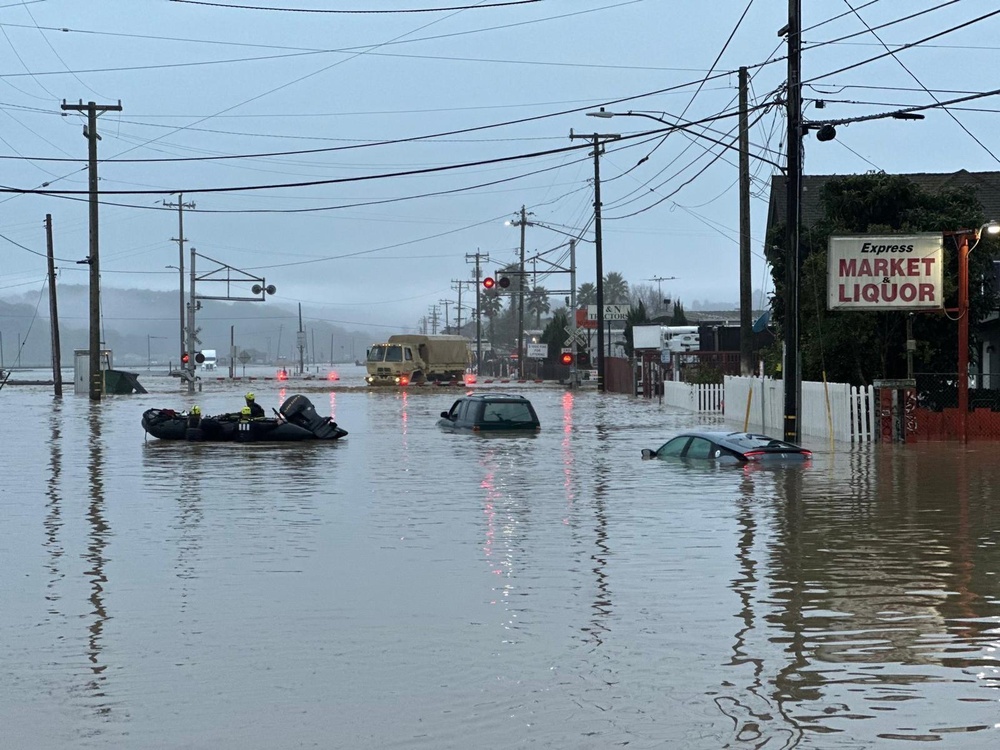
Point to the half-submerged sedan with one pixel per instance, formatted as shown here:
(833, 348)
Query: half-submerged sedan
(729, 447)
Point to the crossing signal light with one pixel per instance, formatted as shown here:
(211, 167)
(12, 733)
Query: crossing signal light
(185, 358)
(199, 357)
(489, 282)
(566, 358)
(504, 282)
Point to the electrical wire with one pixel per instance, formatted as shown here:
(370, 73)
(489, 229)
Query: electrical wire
(358, 12)
(920, 83)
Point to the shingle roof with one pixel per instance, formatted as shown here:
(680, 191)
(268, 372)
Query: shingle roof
(987, 186)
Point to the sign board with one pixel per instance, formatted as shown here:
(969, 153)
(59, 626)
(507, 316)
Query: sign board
(885, 272)
(646, 337)
(611, 312)
(577, 334)
(536, 351)
(244, 357)
(582, 319)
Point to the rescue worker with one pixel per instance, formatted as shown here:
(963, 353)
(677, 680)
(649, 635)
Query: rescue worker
(193, 431)
(256, 410)
(246, 414)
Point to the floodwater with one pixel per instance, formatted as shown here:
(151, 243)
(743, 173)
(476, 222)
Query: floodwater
(409, 588)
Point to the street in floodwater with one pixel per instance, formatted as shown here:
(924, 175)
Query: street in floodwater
(408, 588)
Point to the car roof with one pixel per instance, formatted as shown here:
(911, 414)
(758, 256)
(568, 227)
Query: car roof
(496, 397)
(741, 439)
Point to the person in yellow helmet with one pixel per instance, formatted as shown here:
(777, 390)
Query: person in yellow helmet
(245, 414)
(256, 410)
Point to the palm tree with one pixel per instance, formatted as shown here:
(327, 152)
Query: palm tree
(490, 304)
(538, 303)
(586, 295)
(615, 289)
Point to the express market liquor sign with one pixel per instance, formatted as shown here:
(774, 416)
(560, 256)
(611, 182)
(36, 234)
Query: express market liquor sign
(885, 272)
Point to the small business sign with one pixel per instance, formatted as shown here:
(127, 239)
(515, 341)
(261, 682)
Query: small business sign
(885, 272)
(611, 312)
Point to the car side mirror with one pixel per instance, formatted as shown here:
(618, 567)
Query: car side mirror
(445, 415)
(648, 453)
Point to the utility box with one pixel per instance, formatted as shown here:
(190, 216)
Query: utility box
(81, 368)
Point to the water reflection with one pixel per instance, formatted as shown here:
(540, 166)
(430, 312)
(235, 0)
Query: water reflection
(53, 522)
(99, 539)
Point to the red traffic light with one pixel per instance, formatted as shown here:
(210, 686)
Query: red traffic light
(566, 358)
(185, 358)
(489, 282)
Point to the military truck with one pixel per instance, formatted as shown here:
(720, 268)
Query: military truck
(417, 358)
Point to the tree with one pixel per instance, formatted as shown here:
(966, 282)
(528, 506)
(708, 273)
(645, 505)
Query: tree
(490, 305)
(615, 289)
(538, 303)
(586, 295)
(678, 318)
(555, 332)
(860, 346)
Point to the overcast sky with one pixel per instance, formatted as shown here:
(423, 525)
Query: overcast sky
(356, 160)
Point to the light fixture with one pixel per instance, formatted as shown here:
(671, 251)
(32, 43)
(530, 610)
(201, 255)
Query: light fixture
(992, 227)
(826, 132)
(601, 113)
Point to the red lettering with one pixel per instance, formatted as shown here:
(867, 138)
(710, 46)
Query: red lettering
(848, 267)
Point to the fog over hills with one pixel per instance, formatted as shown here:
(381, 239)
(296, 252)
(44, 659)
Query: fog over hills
(140, 325)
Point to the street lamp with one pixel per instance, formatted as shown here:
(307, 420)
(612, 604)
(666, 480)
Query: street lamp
(992, 228)
(148, 355)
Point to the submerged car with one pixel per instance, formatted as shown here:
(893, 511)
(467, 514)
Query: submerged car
(489, 412)
(728, 447)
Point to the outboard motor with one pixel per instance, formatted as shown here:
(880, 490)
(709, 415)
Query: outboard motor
(298, 410)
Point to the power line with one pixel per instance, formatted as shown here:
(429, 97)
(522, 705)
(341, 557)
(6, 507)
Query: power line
(357, 12)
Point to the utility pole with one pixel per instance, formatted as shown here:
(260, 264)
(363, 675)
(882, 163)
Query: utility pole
(192, 332)
(90, 133)
(598, 140)
(521, 222)
(746, 291)
(445, 302)
(793, 191)
(301, 336)
(573, 369)
(180, 205)
(479, 308)
(53, 309)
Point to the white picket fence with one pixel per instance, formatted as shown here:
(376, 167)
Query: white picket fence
(835, 411)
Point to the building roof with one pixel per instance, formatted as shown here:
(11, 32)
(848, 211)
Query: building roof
(987, 186)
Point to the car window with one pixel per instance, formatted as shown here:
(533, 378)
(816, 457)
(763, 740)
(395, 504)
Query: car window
(507, 412)
(409, 354)
(673, 447)
(393, 354)
(700, 448)
(464, 408)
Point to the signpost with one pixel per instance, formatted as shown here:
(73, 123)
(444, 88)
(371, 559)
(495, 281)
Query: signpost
(537, 351)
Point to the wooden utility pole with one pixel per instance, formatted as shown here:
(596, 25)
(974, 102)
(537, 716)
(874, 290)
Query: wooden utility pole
(53, 309)
(746, 291)
(793, 191)
(598, 140)
(90, 133)
(180, 205)
(479, 307)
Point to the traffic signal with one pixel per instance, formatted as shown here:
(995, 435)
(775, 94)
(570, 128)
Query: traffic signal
(489, 282)
(504, 282)
(185, 358)
(566, 358)
(199, 357)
